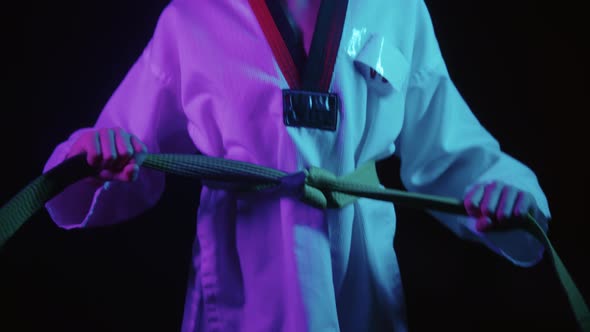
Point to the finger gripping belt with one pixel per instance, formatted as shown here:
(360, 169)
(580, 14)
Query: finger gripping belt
(315, 186)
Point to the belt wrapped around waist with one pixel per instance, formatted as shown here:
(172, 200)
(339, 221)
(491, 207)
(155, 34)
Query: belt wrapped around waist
(315, 186)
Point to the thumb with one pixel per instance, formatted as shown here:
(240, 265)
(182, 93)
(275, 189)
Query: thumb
(482, 224)
(140, 157)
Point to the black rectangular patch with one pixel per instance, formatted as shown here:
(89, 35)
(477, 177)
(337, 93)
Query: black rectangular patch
(310, 109)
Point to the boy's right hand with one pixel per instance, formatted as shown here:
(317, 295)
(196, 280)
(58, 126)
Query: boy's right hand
(112, 151)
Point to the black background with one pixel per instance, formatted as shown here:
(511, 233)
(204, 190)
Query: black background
(521, 65)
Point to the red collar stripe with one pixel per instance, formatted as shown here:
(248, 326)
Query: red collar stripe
(276, 42)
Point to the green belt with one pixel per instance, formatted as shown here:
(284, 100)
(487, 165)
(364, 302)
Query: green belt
(315, 186)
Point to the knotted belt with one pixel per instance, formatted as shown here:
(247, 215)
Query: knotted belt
(315, 186)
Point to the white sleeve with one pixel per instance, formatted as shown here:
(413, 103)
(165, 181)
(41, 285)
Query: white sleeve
(444, 149)
(145, 104)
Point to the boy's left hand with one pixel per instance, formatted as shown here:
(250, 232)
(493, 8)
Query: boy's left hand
(498, 205)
